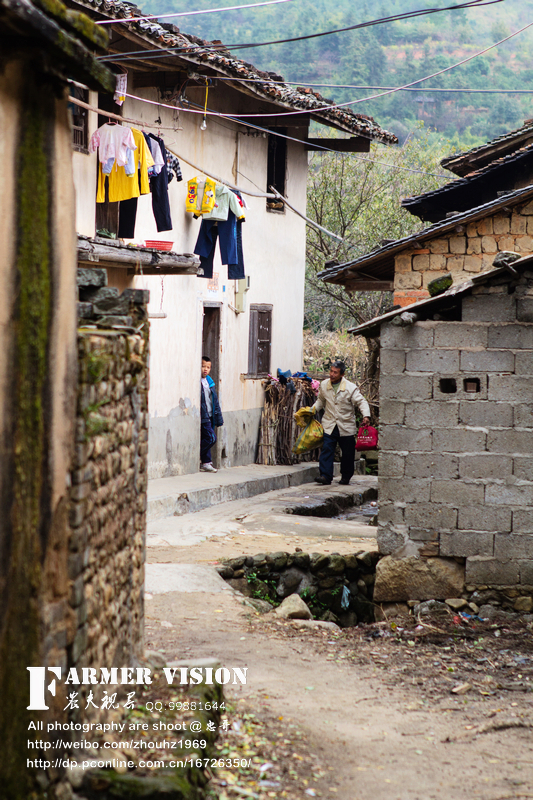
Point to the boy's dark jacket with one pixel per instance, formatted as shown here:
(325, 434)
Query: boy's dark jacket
(217, 420)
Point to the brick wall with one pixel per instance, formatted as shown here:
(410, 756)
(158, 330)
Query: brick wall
(462, 254)
(456, 475)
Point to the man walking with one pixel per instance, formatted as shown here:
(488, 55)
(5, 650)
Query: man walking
(211, 416)
(339, 398)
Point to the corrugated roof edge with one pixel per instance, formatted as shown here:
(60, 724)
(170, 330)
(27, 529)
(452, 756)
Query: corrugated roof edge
(498, 163)
(273, 91)
(439, 227)
(441, 299)
(457, 159)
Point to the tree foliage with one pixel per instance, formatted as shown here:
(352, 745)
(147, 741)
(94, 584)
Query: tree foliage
(390, 54)
(358, 198)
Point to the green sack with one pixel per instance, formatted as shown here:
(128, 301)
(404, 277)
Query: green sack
(311, 437)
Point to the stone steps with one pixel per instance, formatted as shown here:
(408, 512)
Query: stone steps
(184, 494)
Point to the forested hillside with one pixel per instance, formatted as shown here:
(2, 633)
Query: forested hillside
(389, 54)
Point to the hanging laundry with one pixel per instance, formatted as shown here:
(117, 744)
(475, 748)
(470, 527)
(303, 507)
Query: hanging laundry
(173, 167)
(225, 201)
(159, 189)
(120, 89)
(156, 155)
(124, 186)
(200, 195)
(229, 234)
(112, 141)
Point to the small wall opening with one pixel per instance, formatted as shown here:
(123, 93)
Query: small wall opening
(448, 385)
(472, 385)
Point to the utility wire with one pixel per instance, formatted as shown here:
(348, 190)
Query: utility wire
(381, 21)
(398, 88)
(326, 149)
(188, 13)
(334, 106)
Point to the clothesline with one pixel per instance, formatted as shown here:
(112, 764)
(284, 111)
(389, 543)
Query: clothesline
(140, 123)
(267, 195)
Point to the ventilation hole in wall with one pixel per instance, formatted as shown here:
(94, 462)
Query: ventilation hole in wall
(472, 385)
(448, 385)
(223, 454)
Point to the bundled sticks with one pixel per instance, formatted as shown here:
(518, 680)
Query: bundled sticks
(278, 428)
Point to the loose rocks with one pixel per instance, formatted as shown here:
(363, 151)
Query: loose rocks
(293, 607)
(415, 579)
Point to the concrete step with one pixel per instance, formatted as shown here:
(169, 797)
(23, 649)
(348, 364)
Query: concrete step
(183, 494)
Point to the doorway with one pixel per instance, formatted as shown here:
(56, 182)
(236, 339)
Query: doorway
(211, 348)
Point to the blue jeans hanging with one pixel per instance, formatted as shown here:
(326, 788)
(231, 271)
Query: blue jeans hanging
(229, 233)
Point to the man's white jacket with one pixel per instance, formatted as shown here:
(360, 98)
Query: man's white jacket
(340, 406)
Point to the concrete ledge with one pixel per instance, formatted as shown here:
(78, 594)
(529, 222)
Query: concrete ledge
(184, 494)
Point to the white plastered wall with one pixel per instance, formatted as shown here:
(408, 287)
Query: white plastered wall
(274, 256)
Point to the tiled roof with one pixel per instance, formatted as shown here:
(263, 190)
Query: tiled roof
(499, 175)
(68, 38)
(269, 86)
(463, 163)
(379, 263)
(431, 304)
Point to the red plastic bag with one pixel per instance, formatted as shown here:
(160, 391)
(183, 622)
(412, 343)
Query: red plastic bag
(367, 438)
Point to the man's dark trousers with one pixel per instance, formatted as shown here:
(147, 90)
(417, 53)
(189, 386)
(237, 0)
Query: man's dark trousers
(347, 445)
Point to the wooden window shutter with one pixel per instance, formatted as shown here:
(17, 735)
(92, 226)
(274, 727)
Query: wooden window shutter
(264, 339)
(252, 342)
(260, 340)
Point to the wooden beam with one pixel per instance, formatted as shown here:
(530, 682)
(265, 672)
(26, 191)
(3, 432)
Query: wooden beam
(151, 262)
(369, 286)
(355, 144)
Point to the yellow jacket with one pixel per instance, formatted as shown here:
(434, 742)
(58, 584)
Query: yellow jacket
(340, 406)
(122, 187)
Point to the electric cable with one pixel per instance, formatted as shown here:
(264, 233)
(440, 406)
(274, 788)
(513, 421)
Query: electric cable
(381, 21)
(189, 13)
(217, 116)
(380, 88)
(334, 106)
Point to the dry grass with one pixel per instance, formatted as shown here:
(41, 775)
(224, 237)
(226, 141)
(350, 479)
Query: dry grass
(324, 347)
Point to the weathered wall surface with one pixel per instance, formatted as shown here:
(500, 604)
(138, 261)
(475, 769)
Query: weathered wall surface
(108, 497)
(456, 475)
(37, 395)
(462, 254)
(274, 257)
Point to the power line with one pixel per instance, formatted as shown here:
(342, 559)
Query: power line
(217, 116)
(381, 21)
(189, 13)
(397, 88)
(334, 106)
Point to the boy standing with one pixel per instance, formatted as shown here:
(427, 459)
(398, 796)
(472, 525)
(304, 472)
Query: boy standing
(211, 416)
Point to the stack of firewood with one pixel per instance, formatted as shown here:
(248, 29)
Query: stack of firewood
(278, 428)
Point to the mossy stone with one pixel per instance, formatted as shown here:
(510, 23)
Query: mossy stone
(440, 285)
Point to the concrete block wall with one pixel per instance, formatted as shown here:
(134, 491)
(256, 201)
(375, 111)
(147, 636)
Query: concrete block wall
(462, 254)
(456, 474)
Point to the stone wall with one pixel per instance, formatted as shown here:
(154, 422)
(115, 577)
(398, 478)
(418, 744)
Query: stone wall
(108, 494)
(456, 410)
(336, 588)
(464, 253)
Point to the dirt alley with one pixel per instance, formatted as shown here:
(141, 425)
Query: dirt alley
(369, 711)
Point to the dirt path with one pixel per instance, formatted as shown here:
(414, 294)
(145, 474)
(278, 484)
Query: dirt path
(374, 705)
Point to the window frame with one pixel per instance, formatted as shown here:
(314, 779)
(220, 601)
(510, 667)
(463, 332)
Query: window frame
(80, 131)
(254, 342)
(277, 153)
